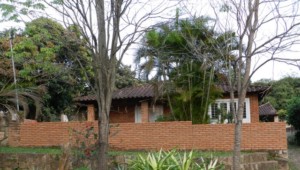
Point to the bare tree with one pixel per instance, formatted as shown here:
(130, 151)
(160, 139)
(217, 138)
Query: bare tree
(109, 28)
(264, 30)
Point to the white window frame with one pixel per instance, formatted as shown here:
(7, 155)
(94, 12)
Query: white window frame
(247, 102)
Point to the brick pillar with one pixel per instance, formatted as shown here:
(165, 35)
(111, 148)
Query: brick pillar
(14, 134)
(145, 111)
(90, 112)
(254, 110)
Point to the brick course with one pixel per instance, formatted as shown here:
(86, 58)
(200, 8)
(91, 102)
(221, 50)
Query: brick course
(154, 136)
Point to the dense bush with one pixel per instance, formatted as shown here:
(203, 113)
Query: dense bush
(293, 117)
(297, 138)
(282, 114)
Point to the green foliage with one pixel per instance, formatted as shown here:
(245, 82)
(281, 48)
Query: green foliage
(282, 91)
(125, 77)
(282, 114)
(48, 54)
(164, 118)
(293, 117)
(15, 10)
(172, 160)
(195, 91)
(297, 138)
(37, 150)
(183, 53)
(26, 96)
(84, 144)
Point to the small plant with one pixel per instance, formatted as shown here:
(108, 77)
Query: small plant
(84, 146)
(173, 160)
(209, 164)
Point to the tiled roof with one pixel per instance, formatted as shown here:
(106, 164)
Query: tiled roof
(147, 91)
(267, 110)
(251, 88)
(142, 91)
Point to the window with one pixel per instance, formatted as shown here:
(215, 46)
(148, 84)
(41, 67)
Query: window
(223, 106)
(214, 110)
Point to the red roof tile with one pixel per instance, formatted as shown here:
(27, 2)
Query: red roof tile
(148, 91)
(143, 91)
(266, 110)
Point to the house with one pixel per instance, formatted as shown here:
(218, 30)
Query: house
(133, 104)
(139, 104)
(267, 113)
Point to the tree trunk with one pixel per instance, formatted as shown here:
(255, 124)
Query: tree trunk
(103, 141)
(237, 141)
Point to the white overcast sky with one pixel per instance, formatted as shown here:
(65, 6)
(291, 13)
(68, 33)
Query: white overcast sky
(272, 70)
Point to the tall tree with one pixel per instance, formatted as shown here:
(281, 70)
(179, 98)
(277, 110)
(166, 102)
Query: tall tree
(181, 52)
(109, 28)
(47, 54)
(250, 20)
(281, 91)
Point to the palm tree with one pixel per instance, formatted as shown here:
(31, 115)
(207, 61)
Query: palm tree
(25, 97)
(189, 54)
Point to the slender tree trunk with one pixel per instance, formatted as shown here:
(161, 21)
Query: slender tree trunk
(103, 141)
(168, 93)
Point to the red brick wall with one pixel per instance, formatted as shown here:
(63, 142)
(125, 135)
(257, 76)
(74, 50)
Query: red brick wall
(145, 111)
(122, 114)
(254, 108)
(166, 135)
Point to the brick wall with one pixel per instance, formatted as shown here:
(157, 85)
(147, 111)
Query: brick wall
(166, 135)
(122, 114)
(254, 108)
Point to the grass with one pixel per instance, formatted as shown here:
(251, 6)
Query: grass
(204, 154)
(35, 150)
(56, 150)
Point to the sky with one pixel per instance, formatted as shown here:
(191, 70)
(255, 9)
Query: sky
(272, 70)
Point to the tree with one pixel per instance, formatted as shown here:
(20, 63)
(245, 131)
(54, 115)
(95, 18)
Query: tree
(249, 20)
(25, 97)
(281, 91)
(125, 77)
(48, 54)
(293, 117)
(181, 53)
(109, 29)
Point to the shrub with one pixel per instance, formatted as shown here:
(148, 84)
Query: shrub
(164, 118)
(294, 117)
(297, 138)
(294, 113)
(84, 147)
(282, 114)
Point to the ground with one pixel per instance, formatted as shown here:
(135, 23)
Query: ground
(294, 157)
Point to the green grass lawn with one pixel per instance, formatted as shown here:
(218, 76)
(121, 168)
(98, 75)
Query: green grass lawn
(43, 150)
(204, 154)
(57, 150)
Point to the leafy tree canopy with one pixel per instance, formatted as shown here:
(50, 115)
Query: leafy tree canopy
(183, 53)
(282, 91)
(48, 54)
